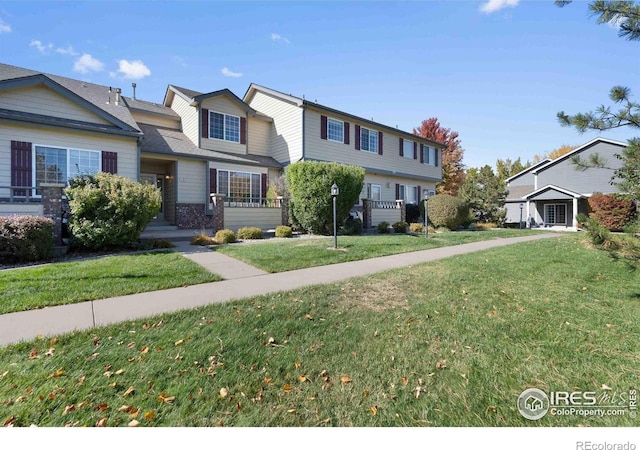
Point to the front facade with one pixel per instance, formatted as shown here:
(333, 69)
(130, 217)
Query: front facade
(193, 145)
(553, 192)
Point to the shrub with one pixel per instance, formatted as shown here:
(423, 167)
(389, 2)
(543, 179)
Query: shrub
(109, 210)
(383, 227)
(413, 212)
(25, 239)
(486, 226)
(160, 243)
(400, 227)
(203, 239)
(599, 235)
(610, 211)
(352, 226)
(309, 184)
(416, 227)
(447, 211)
(581, 218)
(249, 233)
(225, 237)
(283, 231)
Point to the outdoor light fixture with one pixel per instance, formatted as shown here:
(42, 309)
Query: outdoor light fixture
(334, 194)
(425, 198)
(521, 206)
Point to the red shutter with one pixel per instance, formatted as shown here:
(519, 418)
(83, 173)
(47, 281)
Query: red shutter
(213, 181)
(398, 190)
(415, 150)
(421, 153)
(21, 166)
(346, 133)
(401, 147)
(436, 157)
(263, 180)
(205, 123)
(357, 136)
(243, 130)
(380, 142)
(110, 162)
(323, 127)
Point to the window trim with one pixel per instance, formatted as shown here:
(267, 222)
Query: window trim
(403, 193)
(371, 133)
(224, 127)
(405, 154)
(370, 187)
(426, 155)
(228, 187)
(555, 213)
(34, 169)
(329, 138)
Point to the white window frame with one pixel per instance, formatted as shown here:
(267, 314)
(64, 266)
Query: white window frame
(429, 155)
(336, 123)
(251, 199)
(371, 187)
(67, 150)
(555, 213)
(405, 153)
(405, 189)
(224, 127)
(371, 134)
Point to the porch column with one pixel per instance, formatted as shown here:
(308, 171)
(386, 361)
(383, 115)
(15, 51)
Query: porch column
(218, 211)
(284, 210)
(574, 220)
(52, 208)
(403, 210)
(528, 215)
(366, 213)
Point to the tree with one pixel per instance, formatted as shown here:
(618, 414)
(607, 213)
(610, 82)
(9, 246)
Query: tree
(452, 167)
(485, 193)
(507, 168)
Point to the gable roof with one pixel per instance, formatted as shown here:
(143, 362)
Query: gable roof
(300, 102)
(528, 169)
(551, 187)
(583, 147)
(95, 98)
(150, 107)
(194, 98)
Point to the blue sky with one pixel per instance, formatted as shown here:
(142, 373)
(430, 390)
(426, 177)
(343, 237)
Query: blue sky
(495, 71)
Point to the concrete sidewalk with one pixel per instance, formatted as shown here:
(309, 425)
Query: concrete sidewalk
(244, 283)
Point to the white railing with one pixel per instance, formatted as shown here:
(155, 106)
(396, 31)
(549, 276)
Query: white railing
(381, 204)
(18, 194)
(253, 202)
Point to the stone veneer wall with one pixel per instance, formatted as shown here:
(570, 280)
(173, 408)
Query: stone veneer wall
(192, 216)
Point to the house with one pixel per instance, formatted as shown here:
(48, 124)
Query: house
(552, 192)
(194, 147)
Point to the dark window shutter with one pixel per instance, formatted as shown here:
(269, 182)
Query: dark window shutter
(110, 162)
(213, 181)
(346, 133)
(357, 136)
(205, 123)
(21, 166)
(421, 153)
(401, 147)
(380, 142)
(415, 150)
(323, 127)
(263, 180)
(243, 130)
(436, 158)
(398, 190)
(419, 194)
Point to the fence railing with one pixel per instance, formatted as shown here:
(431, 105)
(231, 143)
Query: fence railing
(382, 204)
(19, 194)
(253, 202)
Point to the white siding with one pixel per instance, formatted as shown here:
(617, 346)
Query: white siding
(192, 181)
(189, 115)
(156, 120)
(9, 209)
(237, 167)
(388, 185)
(259, 139)
(224, 105)
(44, 101)
(264, 218)
(286, 135)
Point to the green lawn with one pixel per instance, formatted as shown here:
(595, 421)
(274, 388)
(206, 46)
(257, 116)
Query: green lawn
(448, 343)
(282, 256)
(73, 282)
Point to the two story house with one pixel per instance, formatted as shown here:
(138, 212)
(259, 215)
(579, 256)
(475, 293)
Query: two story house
(193, 145)
(552, 192)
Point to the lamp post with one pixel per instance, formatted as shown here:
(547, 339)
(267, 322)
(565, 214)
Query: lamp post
(425, 198)
(334, 195)
(521, 206)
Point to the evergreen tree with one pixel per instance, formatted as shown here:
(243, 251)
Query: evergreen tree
(507, 168)
(485, 193)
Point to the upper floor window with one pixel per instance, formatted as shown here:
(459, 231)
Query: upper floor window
(224, 127)
(368, 140)
(407, 149)
(430, 155)
(335, 130)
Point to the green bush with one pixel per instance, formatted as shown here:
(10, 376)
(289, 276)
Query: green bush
(225, 237)
(383, 227)
(413, 212)
(599, 235)
(416, 227)
(447, 211)
(283, 231)
(309, 184)
(203, 239)
(109, 210)
(400, 227)
(25, 239)
(249, 233)
(352, 226)
(610, 211)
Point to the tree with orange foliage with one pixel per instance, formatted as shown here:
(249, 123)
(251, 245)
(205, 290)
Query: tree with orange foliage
(452, 167)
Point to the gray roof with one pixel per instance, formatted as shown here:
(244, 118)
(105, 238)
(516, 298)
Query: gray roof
(517, 192)
(188, 92)
(150, 107)
(97, 97)
(166, 141)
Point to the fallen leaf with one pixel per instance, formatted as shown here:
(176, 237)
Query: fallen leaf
(287, 388)
(125, 408)
(345, 379)
(267, 380)
(34, 354)
(49, 352)
(101, 422)
(441, 364)
(417, 391)
(102, 407)
(374, 410)
(605, 387)
(129, 391)
(308, 316)
(145, 349)
(150, 415)
(291, 411)
(4, 374)
(405, 380)
(134, 423)
(9, 422)
(223, 392)
(297, 364)
(609, 325)
(179, 342)
(57, 373)
(108, 374)
(302, 378)
(53, 342)
(119, 372)
(68, 409)
(131, 344)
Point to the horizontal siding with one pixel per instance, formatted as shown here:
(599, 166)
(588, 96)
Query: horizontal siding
(237, 167)
(326, 150)
(390, 216)
(286, 134)
(10, 209)
(156, 120)
(523, 180)
(259, 140)
(264, 218)
(388, 185)
(125, 147)
(189, 116)
(42, 100)
(513, 212)
(192, 181)
(224, 105)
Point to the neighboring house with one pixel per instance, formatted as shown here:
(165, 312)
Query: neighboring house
(193, 145)
(552, 192)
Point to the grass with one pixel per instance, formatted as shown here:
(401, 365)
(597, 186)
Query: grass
(302, 253)
(448, 343)
(73, 282)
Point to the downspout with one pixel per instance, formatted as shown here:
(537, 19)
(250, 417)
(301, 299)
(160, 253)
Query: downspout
(303, 132)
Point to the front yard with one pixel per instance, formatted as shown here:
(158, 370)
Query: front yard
(448, 343)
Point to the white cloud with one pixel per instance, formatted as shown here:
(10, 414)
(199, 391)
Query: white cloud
(42, 48)
(87, 63)
(496, 5)
(227, 73)
(132, 70)
(4, 27)
(275, 37)
(67, 51)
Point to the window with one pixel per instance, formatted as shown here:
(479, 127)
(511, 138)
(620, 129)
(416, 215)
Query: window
(335, 130)
(555, 214)
(369, 140)
(407, 149)
(429, 155)
(224, 127)
(240, 186)
(374, 191)
(58, 165)
(409, 194)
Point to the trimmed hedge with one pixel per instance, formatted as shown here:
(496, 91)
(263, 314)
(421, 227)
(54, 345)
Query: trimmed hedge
(610, 211)
(416, 227)
(25, 239)
(283, 231)
(249, 233)
(447, 211)
(383, 227)
(400, 227)
(225, 237)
